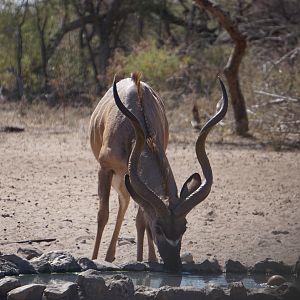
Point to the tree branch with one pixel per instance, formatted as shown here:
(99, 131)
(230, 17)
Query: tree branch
(58, 36)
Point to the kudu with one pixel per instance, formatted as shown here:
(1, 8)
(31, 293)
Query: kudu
(129, 135)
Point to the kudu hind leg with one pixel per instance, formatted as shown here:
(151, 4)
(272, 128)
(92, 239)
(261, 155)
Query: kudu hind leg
(104, 185)
(124, 199)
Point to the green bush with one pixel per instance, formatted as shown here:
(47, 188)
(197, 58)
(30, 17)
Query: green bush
(156, 64)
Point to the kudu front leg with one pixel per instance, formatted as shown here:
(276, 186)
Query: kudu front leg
(141, 226)
(151, 249)
(104, 185)
(140, 232)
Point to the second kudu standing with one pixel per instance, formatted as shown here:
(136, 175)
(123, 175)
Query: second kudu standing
(129, 135)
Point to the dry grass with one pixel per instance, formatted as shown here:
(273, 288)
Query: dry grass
(274, 121)
(40, 115)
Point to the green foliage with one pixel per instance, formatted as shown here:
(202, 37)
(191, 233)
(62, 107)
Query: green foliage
(7, 48)
(156, 64)
(50, 13)
(9, 19)
(216, 57)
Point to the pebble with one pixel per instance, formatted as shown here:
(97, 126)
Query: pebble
(276, 280)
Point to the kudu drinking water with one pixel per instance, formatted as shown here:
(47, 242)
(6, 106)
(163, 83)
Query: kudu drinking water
(129, 135)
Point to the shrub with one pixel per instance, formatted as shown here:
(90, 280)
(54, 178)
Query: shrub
(156, 64)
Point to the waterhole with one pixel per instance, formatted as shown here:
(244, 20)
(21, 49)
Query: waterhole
(157, 280)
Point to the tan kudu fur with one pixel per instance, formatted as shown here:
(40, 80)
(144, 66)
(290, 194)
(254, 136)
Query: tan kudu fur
(129, 135)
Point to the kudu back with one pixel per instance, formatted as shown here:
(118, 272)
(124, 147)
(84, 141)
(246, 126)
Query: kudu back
(129, 135)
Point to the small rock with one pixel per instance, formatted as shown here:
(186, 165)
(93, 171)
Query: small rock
(135, 266)
(187, 257)
(215, 293)
(288, 291)
(29, 253)
(64, 262)
(237, 290)
(276, 232)
(125, 241)
(91, 284)
(23, 265)
(270, 266)
(6, 216)
(66, 291)
(7, 284)
(86, 263)
(258, 213)
(179, 293)
(41, 266)
(120, 287)
(208, 266)
(276, 280)
(27, 292)
(234, 266)
(144, 293)
(106, 266)
(261, 294)
(8, 268)
(59, 261)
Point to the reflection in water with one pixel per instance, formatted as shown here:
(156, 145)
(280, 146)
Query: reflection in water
(157, 280)
(234, 277)
(48, 279)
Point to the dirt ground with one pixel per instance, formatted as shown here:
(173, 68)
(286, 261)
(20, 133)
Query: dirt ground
(48, 189)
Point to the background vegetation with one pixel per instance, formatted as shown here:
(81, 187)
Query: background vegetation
(67, 52)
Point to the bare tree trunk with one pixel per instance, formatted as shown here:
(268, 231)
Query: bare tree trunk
(231, 72)
(160, 40)
(104, 54)
(140, 27)
(19, 55)
(83, 60)
(190, 22)
(92, 59)
(231, 69)
(105, 29)
(20, 20)
(41, 26)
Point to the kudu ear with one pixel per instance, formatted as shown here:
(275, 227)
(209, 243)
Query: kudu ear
(190, 186)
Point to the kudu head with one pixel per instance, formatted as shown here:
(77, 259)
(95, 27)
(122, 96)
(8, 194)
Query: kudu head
(166, 218)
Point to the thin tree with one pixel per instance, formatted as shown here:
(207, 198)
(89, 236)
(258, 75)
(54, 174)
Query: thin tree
(231, 69)
(41, 23)
(20, 20)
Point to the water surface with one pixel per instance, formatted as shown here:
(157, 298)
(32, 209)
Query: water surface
(156, 280)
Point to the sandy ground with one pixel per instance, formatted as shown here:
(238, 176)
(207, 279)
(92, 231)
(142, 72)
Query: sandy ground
(48, 189)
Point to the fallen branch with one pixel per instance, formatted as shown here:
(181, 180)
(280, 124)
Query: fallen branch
(276, 101)
(12, 129)
(290, 54)
(287, 55)
(287, 98)
(29, 241)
